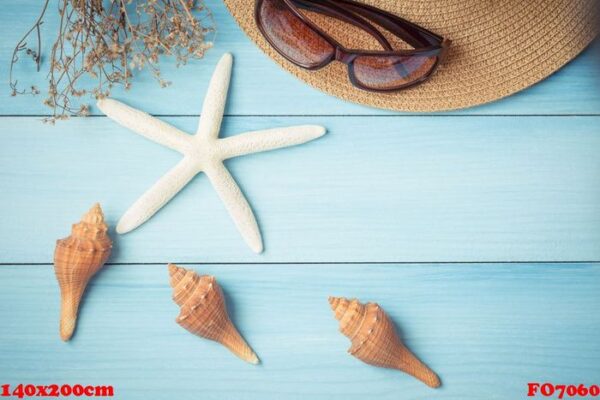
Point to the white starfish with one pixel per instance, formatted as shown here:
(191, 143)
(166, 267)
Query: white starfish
(204, 152)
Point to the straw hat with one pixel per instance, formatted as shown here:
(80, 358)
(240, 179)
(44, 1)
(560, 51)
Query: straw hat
(498, 48)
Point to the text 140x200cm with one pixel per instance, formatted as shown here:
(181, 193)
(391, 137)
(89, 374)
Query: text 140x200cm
(29, 390)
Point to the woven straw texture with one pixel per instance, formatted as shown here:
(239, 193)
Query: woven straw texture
(499, 48)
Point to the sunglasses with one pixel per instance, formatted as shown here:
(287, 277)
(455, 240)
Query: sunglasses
(303, 43)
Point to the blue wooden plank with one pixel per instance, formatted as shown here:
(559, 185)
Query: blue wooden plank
(372, 190)
(486, 329)
(261, 87)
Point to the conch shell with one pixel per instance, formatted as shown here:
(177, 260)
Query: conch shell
(76, 259)
(203, 311)
(375, 341)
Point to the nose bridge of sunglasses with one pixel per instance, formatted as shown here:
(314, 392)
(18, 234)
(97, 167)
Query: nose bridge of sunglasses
(342, 55)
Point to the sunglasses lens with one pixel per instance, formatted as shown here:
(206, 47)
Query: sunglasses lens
(391, 72)
(291, 36)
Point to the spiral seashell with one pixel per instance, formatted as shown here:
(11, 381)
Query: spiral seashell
(203, 311)
(375, 341)
(76, 259)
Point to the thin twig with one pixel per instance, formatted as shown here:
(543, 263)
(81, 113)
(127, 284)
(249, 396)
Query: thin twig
(22, 45)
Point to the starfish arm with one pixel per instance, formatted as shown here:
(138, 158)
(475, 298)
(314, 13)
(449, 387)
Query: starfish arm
(257, 141)
(157, 196)
(145, 124)
(236, 205)
(215, 99)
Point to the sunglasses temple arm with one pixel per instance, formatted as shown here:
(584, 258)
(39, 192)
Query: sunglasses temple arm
(413, 34)
(339, 13)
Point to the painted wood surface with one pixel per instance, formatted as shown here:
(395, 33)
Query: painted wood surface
(486, 329)
(384, 208)
(260, 87)
(376, 189)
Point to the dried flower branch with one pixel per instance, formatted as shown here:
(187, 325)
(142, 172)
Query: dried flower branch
(108, 40)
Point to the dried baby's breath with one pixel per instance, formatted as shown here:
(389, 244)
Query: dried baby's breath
(108, 40)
